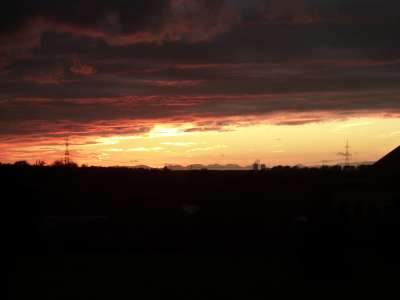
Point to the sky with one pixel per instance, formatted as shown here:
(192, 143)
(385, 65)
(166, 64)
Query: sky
(184, 82)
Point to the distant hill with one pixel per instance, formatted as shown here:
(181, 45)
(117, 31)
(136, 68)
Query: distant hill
(141, 167)
(390, 161)
(208, 167)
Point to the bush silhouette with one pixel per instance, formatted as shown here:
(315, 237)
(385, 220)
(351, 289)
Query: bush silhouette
(21, 163)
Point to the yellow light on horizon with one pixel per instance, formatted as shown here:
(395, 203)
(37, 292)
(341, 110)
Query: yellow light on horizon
(306, 144)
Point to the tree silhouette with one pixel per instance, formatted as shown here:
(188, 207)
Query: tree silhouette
(58, 163)
(21, 163)
(61, 163)
(40, 163)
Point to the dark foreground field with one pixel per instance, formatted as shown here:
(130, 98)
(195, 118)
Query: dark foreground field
(86, 233)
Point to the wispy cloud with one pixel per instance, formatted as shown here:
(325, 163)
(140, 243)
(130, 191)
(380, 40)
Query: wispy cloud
(145, 149)
(55, 77)
(179, 144)
(115, 150)
(206, 149)
(395, 133)
(351, 125)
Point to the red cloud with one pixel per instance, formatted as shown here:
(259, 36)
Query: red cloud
(78, 68)
(172, 83)
(43, 79)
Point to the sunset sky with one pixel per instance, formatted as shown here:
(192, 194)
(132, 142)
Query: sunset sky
(158, 82)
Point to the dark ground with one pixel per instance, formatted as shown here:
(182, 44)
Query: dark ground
(91, 233)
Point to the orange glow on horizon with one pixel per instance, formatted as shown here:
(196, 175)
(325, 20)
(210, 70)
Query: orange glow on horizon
(169, 143)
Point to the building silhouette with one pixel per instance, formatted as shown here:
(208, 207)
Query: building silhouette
(256, 165)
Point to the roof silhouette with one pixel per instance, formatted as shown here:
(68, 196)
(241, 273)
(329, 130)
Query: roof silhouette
(390, 161)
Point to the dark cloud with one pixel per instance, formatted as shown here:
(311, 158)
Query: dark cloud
(129, 15)
(319, 11)
(27, 24)
(88, 61)
(119, 22)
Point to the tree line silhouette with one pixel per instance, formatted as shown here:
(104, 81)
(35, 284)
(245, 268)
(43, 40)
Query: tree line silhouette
(318, 228)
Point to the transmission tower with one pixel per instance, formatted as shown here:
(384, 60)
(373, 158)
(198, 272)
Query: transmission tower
(347, 154)
(66, 154)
